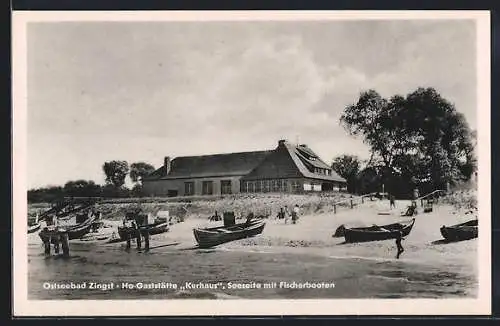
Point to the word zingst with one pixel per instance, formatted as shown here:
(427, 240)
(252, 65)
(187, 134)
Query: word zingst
(79, 286)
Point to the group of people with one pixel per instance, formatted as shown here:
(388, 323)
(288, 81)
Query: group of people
(288, 215)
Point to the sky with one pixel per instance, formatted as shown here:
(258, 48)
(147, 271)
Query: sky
(140, 91)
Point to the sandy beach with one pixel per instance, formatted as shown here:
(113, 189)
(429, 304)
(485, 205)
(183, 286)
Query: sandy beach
(314, 234)
(427, 268)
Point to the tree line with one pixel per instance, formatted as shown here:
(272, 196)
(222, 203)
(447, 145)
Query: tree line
(115, 173)
(417, 141)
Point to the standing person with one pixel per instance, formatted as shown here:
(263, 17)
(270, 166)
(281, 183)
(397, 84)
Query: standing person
(287, 214)
(392, 199)
(281, 213)
(295, 214)
(399, 237)
(415, 197)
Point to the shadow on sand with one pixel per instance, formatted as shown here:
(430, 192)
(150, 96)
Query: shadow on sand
(445, 241)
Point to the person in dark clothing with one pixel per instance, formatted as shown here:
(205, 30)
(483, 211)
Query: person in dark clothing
(215, 217)
(393, 201)
(398, 244)
(281, 214)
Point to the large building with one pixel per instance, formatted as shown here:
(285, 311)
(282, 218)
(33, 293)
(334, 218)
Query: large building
(287, 168)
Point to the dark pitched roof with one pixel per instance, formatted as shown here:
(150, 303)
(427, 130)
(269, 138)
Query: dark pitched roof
(232, 164)
(286, 161)
(158, 173)
(309, 157)
(302, 164)
(292, 161)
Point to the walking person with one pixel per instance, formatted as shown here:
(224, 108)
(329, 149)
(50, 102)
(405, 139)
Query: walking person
(399, 237)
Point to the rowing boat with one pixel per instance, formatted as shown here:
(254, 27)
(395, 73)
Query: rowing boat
(377, 233)
(210, 237)
(34, 224)
(33, 228)
(458, 232)
(74, 231)
(155, 228)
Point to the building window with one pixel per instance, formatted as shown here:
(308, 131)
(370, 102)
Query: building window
(244, 186)
(225, 187)
(275, 184)
(207, 188)
(258, 186)
(250, 187)
(284, 185)
(188, 188)
(295, 185)
(265, 186)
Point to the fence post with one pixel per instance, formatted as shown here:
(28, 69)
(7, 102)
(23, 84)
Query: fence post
(362, 200)
(65, 244)
(334, 209)
(351, 204)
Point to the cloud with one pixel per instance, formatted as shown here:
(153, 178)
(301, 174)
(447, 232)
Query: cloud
(143, 90)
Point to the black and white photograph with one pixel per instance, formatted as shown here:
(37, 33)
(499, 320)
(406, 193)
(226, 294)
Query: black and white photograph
(184, 163)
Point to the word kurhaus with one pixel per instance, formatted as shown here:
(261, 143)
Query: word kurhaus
(306, 285)
(200, 285)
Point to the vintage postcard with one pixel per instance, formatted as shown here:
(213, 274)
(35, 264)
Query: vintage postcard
(251, 163)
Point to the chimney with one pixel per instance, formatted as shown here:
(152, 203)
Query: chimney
(167, 164)
(281, 142)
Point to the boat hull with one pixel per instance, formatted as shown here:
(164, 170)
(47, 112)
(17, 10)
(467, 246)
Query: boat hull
(376, 233)
(34, 228)
(459, 232)
(152, 229)
(74, 232)
(208, 238)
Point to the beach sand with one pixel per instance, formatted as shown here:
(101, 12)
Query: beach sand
(292, 252)
(314, 235)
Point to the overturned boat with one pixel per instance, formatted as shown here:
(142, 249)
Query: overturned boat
(458, 232)
(377, 233)
(210, 237)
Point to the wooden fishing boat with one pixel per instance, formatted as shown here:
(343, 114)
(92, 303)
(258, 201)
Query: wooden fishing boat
(463, 231)
(33, 224)
(73, 231)
(33, 228)
(377, 233)
(155, 228)
(210, 237)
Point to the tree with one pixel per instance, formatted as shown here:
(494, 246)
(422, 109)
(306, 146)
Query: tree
(347, 166)
(46, 195)
(139, 170)
(368, 180)
(115, 172)
(420, 138)
(82, 188)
